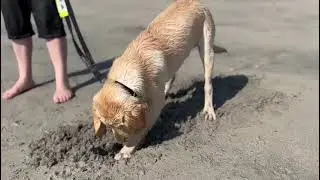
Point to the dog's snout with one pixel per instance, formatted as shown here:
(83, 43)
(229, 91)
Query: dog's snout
(118, 137)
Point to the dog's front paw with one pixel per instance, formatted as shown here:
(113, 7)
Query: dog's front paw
(209, 114)
(122, 156)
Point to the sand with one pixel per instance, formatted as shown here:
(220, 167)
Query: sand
(265, 88)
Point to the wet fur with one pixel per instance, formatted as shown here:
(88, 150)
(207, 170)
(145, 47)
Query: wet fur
(148, 67)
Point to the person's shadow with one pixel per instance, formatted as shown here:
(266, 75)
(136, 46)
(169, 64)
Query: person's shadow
(187, 103)
(104, 66)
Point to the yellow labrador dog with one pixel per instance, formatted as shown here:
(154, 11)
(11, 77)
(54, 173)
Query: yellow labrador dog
(134, 92)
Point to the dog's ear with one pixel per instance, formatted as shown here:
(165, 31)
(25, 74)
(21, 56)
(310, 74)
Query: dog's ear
(99, 127)
(136, 117)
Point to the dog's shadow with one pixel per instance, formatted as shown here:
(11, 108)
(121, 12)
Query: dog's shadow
(187, 103)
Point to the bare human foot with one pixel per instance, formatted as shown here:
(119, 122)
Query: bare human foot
(62, 95)
(18, 88)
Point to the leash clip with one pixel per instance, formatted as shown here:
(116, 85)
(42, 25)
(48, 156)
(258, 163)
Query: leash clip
(62, 8)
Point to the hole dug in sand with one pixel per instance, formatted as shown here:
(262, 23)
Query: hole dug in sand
(76, 144)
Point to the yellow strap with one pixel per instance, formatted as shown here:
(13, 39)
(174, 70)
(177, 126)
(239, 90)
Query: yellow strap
(62, 8)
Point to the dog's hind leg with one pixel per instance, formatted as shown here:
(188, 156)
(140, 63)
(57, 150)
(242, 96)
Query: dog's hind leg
(169, 85)
(206, 52)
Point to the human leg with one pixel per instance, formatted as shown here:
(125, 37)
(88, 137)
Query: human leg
(50, 27)
(58, 52)
(16, 15)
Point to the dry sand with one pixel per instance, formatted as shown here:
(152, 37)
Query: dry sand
(266, 96)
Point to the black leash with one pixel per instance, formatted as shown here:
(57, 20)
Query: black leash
(83, 50)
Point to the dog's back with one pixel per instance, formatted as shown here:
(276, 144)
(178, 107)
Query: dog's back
(178, 28)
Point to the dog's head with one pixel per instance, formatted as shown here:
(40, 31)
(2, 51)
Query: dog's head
(117, 109)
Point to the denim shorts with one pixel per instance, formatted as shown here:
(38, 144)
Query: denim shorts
(17, 14)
